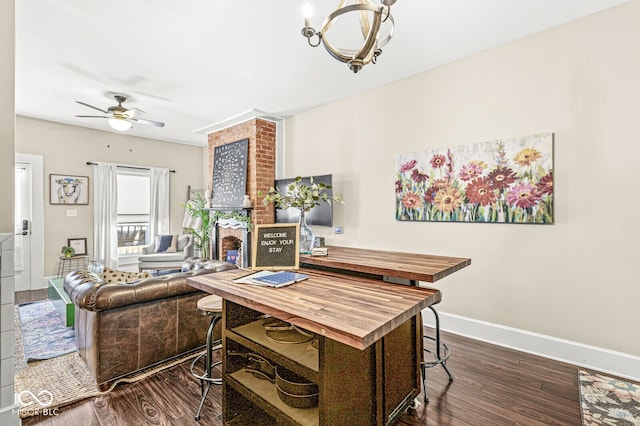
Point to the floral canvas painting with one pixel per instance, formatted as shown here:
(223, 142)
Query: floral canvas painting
(503, 181)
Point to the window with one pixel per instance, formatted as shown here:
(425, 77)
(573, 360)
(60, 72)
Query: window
(133, 210)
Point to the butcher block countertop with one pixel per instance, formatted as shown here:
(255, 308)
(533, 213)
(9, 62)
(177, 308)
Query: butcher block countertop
(411, 266)
(352, 310)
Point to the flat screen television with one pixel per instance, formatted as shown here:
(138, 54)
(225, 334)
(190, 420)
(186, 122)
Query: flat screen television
(321, 215)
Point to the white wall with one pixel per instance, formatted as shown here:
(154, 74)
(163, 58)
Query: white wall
(66, 149)
(574, 280)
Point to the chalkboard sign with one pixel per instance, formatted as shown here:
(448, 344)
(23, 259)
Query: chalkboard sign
(276, 246)
(229, 174)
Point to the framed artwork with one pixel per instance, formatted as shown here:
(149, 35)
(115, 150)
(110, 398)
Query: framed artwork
(503, 181)
(79, 245)
(229, 184)
(66, 189)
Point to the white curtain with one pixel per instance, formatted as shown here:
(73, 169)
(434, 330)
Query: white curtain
(105, 214)
(159, 206)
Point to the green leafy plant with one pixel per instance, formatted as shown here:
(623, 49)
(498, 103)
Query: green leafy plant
(239, 217)
(300, 195)
(68, 251)
(198, 209)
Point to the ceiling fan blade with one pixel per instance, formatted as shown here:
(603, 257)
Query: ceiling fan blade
(91, 106)
(147, 122)
(92, 116)
(133, 112)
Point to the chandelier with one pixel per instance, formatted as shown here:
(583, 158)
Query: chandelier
(372, 16)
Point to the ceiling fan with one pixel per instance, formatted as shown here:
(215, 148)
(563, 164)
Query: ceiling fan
(119, 117)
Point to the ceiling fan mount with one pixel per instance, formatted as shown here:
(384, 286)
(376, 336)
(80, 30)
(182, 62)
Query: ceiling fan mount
(119, 117)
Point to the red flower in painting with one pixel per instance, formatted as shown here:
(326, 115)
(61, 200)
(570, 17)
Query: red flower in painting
(438, 161)
(501, 177)
(418, 176)
(545, 185)
(429, 194)
(408, 166)
(523, 195)
(411, 200)
(479, 191)
(398, 186)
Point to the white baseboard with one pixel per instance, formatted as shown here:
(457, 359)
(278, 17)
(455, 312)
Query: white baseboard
(592, 357)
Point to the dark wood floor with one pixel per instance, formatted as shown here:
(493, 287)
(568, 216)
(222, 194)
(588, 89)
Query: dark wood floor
(493, 386)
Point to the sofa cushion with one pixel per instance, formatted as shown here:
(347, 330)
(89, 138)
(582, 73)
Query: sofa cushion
(113, 276)
(162, 257)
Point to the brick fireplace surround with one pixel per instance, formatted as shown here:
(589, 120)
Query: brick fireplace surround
(261, 170)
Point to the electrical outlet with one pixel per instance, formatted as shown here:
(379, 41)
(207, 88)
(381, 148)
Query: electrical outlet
(338, 229)
(72, 212)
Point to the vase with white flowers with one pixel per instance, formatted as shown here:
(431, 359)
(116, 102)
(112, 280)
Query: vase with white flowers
(303, 197)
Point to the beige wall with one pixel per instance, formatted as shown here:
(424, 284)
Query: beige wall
(66, 149)
(575, 280)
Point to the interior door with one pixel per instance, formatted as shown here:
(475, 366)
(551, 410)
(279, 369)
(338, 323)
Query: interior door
(23, 213)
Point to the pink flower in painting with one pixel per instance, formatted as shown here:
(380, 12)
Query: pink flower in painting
(398, 186)
(438, 161)
(523, 195)
(418, 176)
(440, 184)
(408, 166)
(411, 200)
(470, 171)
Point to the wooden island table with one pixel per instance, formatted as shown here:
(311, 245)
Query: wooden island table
(367, 345)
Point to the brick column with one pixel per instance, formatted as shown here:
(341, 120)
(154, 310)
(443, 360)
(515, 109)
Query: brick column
(261, 164)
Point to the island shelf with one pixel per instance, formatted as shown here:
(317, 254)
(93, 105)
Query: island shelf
(365, 362)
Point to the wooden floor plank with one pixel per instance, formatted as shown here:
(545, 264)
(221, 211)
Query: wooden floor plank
(493, 386)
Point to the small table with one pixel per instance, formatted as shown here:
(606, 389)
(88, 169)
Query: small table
(61, 301)
(73, 263)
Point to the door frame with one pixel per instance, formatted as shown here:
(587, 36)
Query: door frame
(37, 218)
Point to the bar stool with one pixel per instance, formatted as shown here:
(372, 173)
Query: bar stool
(212, 306)
(440, 354)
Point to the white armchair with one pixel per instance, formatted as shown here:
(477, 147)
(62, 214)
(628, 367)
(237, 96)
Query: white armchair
(157, 256)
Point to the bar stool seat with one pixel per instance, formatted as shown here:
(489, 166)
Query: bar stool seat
(438, 355)
(212, 306)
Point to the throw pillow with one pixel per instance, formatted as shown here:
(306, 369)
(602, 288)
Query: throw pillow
(114, 276)
(165, 244)
(95, 267)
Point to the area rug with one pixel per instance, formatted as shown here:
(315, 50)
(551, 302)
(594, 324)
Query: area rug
(64, 379)
(608, 401)
(44, 333)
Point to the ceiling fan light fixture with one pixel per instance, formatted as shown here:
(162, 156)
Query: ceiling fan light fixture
(119, 124)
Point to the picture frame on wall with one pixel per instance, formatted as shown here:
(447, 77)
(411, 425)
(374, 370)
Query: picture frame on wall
(68, 189)
(79, 245)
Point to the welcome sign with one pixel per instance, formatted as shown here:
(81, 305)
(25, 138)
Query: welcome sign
(276, 246)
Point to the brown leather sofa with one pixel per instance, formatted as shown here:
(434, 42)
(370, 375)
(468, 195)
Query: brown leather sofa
(124, 327)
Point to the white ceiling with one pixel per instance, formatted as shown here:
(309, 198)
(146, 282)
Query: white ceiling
(196, 63)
